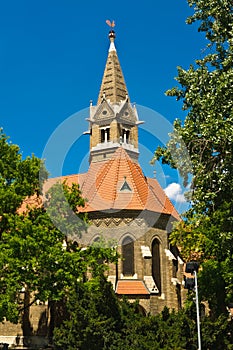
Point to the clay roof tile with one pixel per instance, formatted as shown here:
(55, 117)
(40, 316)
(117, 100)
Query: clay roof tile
(131, 287)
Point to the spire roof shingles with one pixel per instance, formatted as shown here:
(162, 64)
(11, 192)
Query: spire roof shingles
(113, 85)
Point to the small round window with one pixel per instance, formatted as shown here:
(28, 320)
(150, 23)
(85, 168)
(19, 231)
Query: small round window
(104, 112)
(126, 114)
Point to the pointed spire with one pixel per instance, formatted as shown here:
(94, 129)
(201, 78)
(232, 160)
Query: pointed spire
(113, 85)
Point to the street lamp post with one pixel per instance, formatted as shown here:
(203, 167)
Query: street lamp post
(192, 267)
(198, 314)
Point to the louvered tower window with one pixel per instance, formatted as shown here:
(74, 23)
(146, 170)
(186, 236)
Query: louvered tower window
(125, 135)
(105, 135)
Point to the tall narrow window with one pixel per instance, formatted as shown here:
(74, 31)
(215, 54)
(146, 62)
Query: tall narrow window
(105, 135)
(156, 270)
(128, 256)
(102, 135)
(125, 136)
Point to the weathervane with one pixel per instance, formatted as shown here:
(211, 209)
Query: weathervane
(111, 34)
(111, 24)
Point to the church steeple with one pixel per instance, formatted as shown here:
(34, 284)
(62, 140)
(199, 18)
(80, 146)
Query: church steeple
(113, 85)
(113, 121)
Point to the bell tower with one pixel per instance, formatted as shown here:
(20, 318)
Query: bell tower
(113, 122)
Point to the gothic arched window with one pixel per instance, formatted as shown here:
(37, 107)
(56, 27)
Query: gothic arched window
(128, 256)
(156, 270)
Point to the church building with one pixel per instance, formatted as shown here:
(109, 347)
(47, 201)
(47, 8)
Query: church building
(123, 205)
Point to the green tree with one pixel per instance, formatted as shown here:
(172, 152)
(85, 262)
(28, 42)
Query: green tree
(97, 319)
(94, 317)
(38, 259)
(168, 330)
(202, 146)
(19, 178)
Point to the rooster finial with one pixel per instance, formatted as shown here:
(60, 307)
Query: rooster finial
(111, 24)
(111, 34)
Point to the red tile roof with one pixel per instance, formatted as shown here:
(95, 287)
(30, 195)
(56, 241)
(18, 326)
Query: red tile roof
(101, 186)
(131, 287)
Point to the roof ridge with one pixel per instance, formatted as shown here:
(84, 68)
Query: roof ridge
(117, 176)
(102, 173)
(89, 176)
(155, 195)
(163, 204)
(133, 166)
(86, 180)
(139, 171)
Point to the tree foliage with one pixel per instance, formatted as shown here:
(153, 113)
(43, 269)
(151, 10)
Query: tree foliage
(19, 177)
(98, 320)
(37, 255)
(202, 145)
(94, 317)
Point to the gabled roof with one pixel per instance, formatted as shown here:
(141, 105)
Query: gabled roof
(104, 180)
(102, 187)
(113, 85)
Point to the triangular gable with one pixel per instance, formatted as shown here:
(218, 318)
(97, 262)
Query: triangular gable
(127, 114)
(125, 187)
(103, 112)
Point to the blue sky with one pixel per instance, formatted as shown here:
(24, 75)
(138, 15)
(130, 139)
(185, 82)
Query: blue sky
(52, 57)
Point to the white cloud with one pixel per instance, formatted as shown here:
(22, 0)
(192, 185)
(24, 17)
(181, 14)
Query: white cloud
(174, 192)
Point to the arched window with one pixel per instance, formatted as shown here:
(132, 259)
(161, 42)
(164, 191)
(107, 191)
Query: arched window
(128, 256)
(156, 270)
